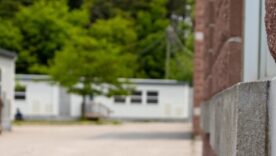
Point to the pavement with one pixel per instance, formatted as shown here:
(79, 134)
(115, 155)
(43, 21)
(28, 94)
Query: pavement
(127, 139)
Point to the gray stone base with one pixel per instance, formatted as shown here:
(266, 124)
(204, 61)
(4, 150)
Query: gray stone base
(237, 120)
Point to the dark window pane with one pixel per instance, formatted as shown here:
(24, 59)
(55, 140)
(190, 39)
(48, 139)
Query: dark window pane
(136, 100)
(20, 97)
(152, 101)
(91, 97)
(119, 99)
(137, 93)
(152, 97)
(152, 93)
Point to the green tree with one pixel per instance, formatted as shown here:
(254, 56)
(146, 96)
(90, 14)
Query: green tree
(39, 29)
(45, 27)
(9, 8)
(182, 44)
(10, 36)
(75, 4)
(115, 30)
(44, 32)
(85, 65)
(181, 67)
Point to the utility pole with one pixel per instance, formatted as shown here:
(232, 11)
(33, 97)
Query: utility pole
(169, 31)
(167, 64)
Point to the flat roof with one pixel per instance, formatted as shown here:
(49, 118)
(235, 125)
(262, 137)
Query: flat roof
(34, 77)
(156, 82)
(7, 54)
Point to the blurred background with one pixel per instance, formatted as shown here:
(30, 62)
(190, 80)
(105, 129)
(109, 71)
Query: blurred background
(68, 66)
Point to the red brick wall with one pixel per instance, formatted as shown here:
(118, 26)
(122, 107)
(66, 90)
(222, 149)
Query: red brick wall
(198, 61)
(223, 46)
(218, 57)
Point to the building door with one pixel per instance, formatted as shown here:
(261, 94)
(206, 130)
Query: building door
(64, 103)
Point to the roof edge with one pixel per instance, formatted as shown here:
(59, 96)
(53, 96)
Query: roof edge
(7, 54)
(35, 77)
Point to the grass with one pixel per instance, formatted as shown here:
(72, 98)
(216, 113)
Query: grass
(75, 122)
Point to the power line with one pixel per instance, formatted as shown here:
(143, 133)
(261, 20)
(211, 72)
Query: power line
(172, 37)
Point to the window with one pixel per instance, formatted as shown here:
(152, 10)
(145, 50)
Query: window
(20, 95)
(152, 97)
(119, 100)
(136, 97)
(20, 92)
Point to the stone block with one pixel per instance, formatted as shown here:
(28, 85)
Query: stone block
(237, 120)
(252, 119)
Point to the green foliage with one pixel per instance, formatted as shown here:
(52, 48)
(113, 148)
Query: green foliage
(181, 67)
(10, 37)
(44, 31)
(83, 66)
(115, 30)
(8, 8)
(75, 4)
(19, 87)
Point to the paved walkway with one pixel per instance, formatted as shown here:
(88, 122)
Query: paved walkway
(129, 139)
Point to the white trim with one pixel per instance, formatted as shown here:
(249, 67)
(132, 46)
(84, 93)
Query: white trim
(32, 77)
(257, 61)
(197, 111)
(199, 36)
(251, 40)
(234, 40)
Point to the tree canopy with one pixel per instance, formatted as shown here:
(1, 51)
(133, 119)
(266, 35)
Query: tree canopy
(129, 34)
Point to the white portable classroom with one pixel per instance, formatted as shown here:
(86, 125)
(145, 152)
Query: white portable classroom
(151, 100)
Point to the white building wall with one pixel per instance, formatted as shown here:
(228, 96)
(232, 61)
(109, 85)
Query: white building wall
(76, 105)
(41, 99)
(7, 67)
(173, 104)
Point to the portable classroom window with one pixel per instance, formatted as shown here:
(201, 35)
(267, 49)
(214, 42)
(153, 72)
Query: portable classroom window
(20, 93)
(152, 97)
(136, 97)
(119, 99)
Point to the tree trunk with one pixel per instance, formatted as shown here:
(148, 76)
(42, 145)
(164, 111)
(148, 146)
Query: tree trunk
(83, 107)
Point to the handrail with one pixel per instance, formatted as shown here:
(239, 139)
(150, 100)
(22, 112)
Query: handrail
(97, 110)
